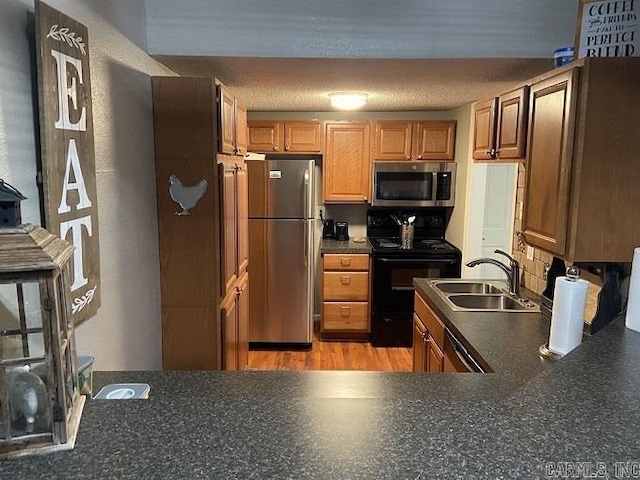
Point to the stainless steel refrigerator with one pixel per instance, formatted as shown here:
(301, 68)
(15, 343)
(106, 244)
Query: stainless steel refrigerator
(281, 250)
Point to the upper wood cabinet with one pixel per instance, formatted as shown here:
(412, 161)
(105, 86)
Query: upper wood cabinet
(500, 126)
(269, 136)
(413, 140)
(347, 162)
(484, 129)
(548, 169)
(581, 192)
(232, 117)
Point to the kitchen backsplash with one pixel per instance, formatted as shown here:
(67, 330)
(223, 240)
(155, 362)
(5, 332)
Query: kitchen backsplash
(534, 271)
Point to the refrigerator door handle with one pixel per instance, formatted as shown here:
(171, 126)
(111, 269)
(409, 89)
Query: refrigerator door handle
(306, 212)
(305, 192)
(306, 243)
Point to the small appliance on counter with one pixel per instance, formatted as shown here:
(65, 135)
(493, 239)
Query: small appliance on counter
(342, 231)
(328, 228)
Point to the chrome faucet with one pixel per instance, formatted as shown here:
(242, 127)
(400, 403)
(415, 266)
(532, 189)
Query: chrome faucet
(512, 271)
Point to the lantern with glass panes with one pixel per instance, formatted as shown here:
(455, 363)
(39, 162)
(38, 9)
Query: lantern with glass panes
(40, 402)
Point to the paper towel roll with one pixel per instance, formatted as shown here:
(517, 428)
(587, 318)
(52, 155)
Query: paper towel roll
(567, 316)
(633, 302)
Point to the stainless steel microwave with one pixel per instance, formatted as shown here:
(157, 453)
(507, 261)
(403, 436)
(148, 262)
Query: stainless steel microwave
(413, 184)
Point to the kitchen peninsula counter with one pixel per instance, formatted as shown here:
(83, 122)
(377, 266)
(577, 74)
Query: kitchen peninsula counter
(370, 425)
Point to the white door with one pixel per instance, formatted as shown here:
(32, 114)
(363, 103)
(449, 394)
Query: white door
(499, 211)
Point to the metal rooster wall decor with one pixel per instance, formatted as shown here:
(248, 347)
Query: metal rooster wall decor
(186, 196)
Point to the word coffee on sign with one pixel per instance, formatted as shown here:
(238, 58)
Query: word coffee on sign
(609, 29)
(68, 159)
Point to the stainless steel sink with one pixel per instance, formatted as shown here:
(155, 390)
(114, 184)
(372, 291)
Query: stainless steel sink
(467, 287)
(481, 296)
(488, 302)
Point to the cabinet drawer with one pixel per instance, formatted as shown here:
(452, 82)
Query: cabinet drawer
(342, 316)
(346, 286)
(334, 261)
(430, 320)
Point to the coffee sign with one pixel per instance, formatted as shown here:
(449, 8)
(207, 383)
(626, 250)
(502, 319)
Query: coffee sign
(609, 29)
(68, 170)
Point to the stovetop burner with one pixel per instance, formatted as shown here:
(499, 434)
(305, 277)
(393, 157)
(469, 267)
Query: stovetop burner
(386, 243)
(436, 244)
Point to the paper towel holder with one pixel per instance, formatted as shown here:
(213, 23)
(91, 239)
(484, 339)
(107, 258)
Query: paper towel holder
(572, 274)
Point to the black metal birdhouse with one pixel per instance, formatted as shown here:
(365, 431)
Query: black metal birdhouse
(10, 199)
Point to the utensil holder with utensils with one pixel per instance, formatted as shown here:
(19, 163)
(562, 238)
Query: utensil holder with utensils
(406, 236)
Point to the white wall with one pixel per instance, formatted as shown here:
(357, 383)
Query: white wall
(457, 222)
(126, 332)
(365, 29)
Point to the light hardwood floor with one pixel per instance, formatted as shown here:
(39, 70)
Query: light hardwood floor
(334, 356)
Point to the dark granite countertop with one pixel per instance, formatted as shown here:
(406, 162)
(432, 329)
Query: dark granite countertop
(581, 412)
(338, 246)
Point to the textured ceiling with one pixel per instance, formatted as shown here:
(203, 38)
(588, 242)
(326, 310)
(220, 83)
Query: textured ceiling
(303, 84)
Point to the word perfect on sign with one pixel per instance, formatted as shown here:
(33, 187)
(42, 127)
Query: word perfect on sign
(67, 152)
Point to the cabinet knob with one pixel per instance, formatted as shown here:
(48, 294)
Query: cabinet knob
(491, 153)
(286, 148)
(419, 157)
(275, 149)
(345, 280)
(408, 157)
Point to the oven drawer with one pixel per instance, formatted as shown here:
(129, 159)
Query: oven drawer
(345, 316)
(345, 286)
(350, 262)
(430, 320)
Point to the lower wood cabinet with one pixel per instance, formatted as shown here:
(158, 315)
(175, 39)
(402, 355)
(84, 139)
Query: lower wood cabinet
(428, 338)
(234, 319)
(345, 294)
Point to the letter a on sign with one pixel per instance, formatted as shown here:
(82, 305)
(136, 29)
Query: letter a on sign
(68, 160)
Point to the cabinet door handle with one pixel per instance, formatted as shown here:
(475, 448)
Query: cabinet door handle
(345, 280)
(345, 311)
(345, 262)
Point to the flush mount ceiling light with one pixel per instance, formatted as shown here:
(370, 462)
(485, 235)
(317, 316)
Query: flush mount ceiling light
(348, 100)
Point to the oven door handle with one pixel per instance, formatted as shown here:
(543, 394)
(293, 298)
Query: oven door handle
(450, 261)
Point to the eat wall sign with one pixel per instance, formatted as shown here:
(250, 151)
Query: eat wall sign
(68, 171)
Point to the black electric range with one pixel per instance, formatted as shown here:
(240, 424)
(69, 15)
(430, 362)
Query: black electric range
(394, 268)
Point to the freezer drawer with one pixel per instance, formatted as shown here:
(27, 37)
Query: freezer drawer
(281, 301)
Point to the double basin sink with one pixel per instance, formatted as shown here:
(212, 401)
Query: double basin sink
(481, 296)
